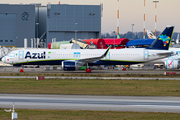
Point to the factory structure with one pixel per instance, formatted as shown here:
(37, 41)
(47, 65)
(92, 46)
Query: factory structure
(42, 24)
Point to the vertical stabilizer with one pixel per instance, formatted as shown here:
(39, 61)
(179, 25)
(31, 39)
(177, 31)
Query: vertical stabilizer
(164, 40)
(150, 35)
(177, 40)
(119, 36)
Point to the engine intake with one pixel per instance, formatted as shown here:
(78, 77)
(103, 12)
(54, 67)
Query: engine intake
(68, 65)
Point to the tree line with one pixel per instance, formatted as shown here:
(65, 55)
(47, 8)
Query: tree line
(135, 35)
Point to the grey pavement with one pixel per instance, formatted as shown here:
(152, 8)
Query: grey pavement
(86, 102)
(96, 78)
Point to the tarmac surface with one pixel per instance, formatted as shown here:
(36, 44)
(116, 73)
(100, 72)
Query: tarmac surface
(106, 71)
(93, 78)
(86, 102)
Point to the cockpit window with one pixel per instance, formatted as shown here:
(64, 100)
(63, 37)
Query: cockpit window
(11, 55)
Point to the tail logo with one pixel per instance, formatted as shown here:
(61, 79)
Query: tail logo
(165, 39)
(170, 63)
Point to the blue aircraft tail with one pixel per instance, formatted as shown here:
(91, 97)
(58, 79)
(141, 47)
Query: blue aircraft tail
(164, 40)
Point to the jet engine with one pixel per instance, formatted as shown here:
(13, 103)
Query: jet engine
(172, 64)
(71, 65)
(68, 65)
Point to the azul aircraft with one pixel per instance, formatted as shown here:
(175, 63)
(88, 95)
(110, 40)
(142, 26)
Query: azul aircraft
(73, 59)
(171, 62)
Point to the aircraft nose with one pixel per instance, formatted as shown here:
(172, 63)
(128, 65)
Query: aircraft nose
(2, 59)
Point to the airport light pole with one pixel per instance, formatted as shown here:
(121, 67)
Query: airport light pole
(132, 31)
(76, 33)
(155, 14)
(37, 34)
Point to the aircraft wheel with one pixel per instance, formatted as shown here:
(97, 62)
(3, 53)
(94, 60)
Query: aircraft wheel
(88, 70)
(124, 69)
(21, 70)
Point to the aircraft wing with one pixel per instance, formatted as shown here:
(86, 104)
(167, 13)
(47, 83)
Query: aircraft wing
(94, 59)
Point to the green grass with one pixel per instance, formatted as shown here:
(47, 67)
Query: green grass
(24, 114)
(75, 74)
(91, 87)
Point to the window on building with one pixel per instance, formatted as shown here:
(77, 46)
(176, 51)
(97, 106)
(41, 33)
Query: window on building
(6, 40)
(1, 40)
(11, 40)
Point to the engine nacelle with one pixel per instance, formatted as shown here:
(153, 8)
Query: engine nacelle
(172, 64)
(68, 65)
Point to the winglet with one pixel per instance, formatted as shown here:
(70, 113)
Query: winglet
(94, 59)
(104, 55)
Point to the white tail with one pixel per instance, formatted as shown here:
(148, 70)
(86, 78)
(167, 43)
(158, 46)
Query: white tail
(150, 35)
(177, 40)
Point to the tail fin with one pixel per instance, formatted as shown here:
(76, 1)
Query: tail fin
(150, 35)
(178, 37)
(164, 40)
(118, 36)
(177, 40)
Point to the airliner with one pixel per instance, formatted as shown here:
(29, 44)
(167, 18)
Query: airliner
(171, 62)
(72, 59)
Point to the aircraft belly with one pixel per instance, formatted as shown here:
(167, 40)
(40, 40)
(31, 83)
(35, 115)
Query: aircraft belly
(106, 62)
(48, 62)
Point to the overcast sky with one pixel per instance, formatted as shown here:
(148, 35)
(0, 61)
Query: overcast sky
(131, 12)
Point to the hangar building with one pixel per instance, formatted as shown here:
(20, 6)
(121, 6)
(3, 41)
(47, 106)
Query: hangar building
(17, 22)
(59, 21)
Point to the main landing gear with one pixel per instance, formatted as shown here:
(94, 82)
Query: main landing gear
(88, 70)
(124, 69)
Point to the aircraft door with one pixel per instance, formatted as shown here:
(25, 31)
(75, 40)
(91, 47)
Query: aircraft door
(146, 55)
(21, 55)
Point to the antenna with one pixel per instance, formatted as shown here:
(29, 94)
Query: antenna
(14, 115)
(13, 108)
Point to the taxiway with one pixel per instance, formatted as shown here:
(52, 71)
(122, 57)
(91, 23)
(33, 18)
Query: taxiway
(86, 102)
